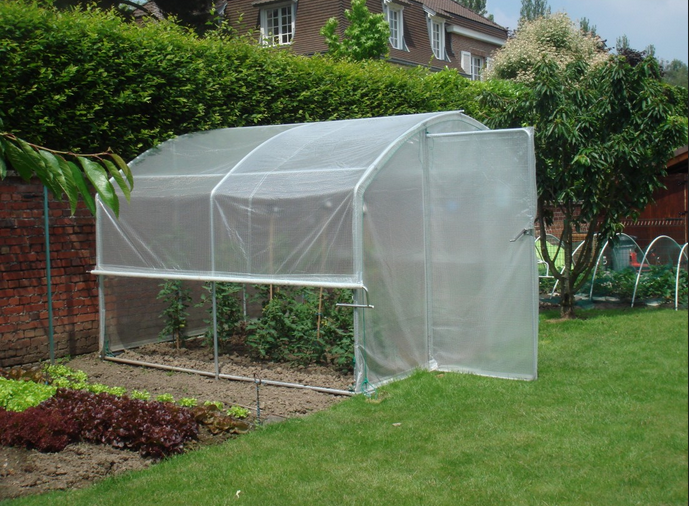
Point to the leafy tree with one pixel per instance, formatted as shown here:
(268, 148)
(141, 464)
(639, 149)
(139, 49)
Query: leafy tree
(675, 73)
(555, 36)
(534, 9)
(587, 28)
(365, 38)
(603, 136)
(623, 47)
(67, 172)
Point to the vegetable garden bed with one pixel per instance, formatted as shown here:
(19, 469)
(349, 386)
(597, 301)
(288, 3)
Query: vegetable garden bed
(24, 471)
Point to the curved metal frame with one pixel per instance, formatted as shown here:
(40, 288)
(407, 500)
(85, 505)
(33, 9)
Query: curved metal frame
(540, 260)
(595, 270)
(638, 274)
(679, 262)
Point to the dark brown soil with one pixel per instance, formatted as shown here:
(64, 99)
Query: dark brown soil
(24, 472)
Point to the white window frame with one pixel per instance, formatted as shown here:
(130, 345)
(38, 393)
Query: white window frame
(474, 65)
(286, 28)
(394, 15)
(478, 63)
(436, 35)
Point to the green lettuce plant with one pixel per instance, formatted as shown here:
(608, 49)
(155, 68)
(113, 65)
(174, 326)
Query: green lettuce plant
(21, 395)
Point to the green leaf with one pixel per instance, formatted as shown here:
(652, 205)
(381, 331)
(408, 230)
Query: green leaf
(81, 185)
(117, 176)
(69, 184)
(3, 164)
(20, 161)
(40, 169)
(124, 168)
(100, 181)
(53, 172)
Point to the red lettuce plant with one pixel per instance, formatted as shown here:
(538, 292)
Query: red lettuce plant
(155, 429)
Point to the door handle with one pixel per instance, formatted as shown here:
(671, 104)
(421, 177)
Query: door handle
(525, 231)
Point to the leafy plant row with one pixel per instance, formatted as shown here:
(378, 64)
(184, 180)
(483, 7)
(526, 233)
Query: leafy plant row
(154, 428)
(300, 325)
(35, 414)
(25, 387)
(304, 326)
(656, 282)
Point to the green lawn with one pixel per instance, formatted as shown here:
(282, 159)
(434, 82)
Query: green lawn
(605, 424)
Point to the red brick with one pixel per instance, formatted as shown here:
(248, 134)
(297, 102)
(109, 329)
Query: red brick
(23, 318)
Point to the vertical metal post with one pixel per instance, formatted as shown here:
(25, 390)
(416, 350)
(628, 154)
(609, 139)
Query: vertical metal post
(244, 300)
(428, 251)
(101, 317)
(215, 333)
(46, 225)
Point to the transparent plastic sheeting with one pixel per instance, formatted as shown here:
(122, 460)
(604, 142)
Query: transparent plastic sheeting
(421, 215)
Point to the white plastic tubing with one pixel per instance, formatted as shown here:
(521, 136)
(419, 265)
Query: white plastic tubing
(683, 251)
(333, 391)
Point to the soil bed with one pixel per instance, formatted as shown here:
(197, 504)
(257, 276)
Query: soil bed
(24, 472)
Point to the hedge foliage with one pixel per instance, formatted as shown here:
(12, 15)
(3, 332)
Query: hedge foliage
(86, 80)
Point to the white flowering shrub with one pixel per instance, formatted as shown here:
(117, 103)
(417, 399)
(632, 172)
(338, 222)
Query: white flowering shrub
(554, 37)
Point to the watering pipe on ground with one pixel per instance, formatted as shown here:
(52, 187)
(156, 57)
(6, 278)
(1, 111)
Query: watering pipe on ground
(333, 391)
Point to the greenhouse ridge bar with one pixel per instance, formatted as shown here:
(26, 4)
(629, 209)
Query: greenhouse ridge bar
(418, 210)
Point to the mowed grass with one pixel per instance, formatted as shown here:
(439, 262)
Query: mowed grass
(605, 424)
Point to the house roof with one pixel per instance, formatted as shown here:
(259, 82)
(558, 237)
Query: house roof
(451, 9)
(678, 163)
(149, 9)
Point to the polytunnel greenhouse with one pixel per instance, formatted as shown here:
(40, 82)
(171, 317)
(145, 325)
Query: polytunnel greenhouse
(426, 218)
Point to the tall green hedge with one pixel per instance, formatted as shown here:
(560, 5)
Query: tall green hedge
(87, 80)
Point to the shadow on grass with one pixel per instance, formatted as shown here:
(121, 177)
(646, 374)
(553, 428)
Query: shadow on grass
(589, 313)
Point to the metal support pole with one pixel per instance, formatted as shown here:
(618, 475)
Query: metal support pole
(48, 280)
(257, 381)
(215, 333)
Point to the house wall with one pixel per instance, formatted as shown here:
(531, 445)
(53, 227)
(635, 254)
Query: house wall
(415, 36)
(313, 14)
(475, 47)
(24, 320)
(666, 216)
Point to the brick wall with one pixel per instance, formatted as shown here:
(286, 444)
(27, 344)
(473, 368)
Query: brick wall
(24, 323)
(558, 225)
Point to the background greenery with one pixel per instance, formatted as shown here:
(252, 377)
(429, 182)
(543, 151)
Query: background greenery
(88, 80)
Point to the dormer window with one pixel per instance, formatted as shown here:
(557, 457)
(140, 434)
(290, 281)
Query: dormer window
(277, 24)
(437, 39)
(394, 16)
(436, 34)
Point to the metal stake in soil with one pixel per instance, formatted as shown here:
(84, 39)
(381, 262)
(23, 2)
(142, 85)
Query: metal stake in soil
(258, 400)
